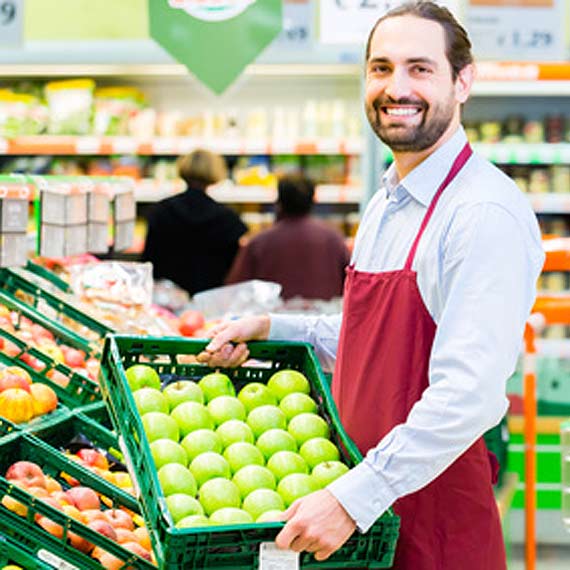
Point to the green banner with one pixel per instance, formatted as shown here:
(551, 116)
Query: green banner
(215, 39)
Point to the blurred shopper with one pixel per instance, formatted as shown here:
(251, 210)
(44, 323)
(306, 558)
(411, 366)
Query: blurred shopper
(304, 255)
(441, 283)
(191, 239)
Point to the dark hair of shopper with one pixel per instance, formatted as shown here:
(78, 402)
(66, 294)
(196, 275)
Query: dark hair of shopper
(295, 195)
(201, 168)
(458, 46)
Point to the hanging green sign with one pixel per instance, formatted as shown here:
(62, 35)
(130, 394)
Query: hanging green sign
(215, 39)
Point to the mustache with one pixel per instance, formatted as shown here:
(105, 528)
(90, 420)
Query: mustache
(383, 101)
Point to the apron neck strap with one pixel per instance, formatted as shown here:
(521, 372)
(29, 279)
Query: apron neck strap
(457, 165)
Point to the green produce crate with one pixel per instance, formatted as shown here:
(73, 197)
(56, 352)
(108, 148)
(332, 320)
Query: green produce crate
(48, 275)
(224, 547)
(79, 391)
(497, 441)
(7, 429)
(23, 530)
(54, 306)
(19, 554)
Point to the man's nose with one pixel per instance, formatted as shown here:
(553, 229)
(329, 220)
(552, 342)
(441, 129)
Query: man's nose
(398, 85)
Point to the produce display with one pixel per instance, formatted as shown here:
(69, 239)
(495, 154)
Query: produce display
(37, 336)
(21, 399)
(232, 458)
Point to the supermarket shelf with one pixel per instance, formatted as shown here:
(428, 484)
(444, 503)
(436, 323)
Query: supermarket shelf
(550, 203)
(149, 190)
(93, 145)
(522, 153)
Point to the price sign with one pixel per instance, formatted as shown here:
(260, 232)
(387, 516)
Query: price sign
(517, 29)
(297, 32)
(350, 21)
(11, 22)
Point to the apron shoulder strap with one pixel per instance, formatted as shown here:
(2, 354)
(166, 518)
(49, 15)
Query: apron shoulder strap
(457, 165)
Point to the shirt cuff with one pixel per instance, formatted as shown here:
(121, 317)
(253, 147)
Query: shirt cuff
(286, 327)
(364, 494)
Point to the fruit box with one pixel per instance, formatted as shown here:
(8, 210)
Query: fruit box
(73, 390)
(18, 554)
(22, 529)
(54, 308)
(235, 546)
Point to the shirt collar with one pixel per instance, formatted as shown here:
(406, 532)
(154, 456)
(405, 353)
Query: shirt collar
(424, 180)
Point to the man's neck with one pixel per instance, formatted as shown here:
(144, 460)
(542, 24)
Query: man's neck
(405, 162)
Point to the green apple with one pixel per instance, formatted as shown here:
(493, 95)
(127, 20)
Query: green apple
(275, 440)
(158, 425)
(284, 463)
(181, 506)
(230, 516)
(150, 400)
(297, 403)
(209, 465)
(216, 384)
(270, 516)
(233, 431)
(256, 394)
(176, 478)
(264, 418)
(201, 440)
(165, 451)
(307, 426)
(318, 450)
(252, 477)
(224, 408)
(262, 500)
(287, 382)
(191, 416)
(295, 486)
(219, 493)
(142, 376)
(193, 520)
(327, 472)
(182, 391)
(241, 453)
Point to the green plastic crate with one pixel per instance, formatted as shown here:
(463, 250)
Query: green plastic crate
(7, 429)
(224, 547)
(23, 530)
(19, 554)
(79, 391)
(54, 306)
(46, 274)
(497, 441)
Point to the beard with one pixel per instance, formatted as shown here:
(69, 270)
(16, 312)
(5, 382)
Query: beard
(409, 138)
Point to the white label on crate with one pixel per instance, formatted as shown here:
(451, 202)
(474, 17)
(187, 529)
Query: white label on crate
(273, 558)
(55, 561)
(129, 464)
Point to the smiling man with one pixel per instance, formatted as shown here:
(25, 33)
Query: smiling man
(441, 282)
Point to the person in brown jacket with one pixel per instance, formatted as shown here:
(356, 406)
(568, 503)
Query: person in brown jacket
(301, 253)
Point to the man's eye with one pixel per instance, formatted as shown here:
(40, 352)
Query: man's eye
(420, 69)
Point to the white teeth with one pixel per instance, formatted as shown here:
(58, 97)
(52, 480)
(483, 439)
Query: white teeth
(401, 112)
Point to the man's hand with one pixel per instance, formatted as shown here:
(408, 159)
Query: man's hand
(316, 523)
(221, 352)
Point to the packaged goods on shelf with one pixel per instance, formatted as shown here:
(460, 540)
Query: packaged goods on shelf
(114, 107)
(70, 106)
(21, 114)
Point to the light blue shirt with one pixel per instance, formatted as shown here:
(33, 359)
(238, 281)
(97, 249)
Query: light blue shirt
(477, 265)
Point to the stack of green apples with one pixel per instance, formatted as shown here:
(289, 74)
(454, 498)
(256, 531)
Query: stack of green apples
(230, 459)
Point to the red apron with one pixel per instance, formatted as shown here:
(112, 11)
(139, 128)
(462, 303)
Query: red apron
(381, 372)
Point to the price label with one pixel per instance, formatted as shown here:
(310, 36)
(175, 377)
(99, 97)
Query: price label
(11, 22)
(55, 561)
(350, 21)
(297, 32)
(503, 29)
(272, 558)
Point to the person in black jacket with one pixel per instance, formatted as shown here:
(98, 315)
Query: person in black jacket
(192, 239)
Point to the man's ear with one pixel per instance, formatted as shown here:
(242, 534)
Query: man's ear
(464, 82)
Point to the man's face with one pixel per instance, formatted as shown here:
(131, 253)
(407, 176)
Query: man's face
(411, 99)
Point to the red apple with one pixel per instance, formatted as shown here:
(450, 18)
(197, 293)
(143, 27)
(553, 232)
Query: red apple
(28, 472)
(83, 498)
(16, 405)
(190, 321)
(44, 398)
(119, 519)
(93, 458)
(103, 527)
(135, 547)
(74, 358)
